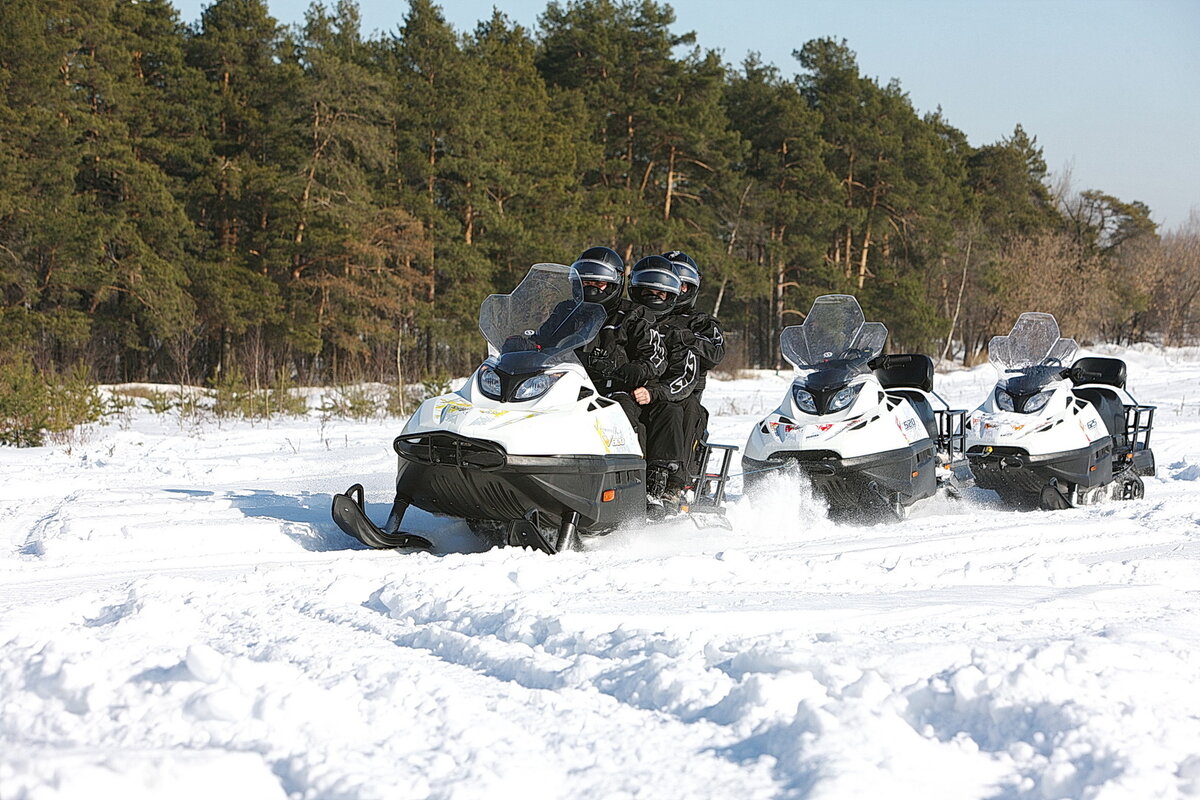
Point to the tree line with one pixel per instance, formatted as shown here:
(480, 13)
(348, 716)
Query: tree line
(179, 202)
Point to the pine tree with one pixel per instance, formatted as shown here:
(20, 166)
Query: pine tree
(243, 200)
(783, 221)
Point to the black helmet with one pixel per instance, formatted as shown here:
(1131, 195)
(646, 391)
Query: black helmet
(604, 265)
(689, 274)
(654, 274)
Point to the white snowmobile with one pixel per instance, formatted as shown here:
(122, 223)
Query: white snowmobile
(527, 448)
(1054, 436)
(866, 429)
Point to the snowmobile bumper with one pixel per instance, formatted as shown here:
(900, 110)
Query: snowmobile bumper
(1015, 474)
(865, 484)
(459, 476)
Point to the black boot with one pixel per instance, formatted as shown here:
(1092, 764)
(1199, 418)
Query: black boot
(658, 474)
(661, 498)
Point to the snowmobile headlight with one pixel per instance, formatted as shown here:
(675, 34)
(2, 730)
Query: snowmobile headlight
(804, 400)
(537, 385)
(1038, 401)
(1004, 400)
(844, 397)
(489, 382)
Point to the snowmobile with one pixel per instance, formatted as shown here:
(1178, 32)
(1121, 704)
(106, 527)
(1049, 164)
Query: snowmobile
(865, 428)
(526, 450)
(1055, 436)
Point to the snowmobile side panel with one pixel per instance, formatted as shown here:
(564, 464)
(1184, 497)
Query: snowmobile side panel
(584, 425)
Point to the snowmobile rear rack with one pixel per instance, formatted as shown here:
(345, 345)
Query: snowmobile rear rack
(1139, 420)
(709, 487)
(952, 433)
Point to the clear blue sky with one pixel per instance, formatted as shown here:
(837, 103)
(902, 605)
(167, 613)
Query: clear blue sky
(1110, 88)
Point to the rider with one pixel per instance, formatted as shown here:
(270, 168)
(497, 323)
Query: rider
(628, 352)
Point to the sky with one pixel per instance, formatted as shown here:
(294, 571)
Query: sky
(1110, 88)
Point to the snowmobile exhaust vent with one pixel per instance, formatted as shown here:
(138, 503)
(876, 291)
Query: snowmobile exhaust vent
(450, 449)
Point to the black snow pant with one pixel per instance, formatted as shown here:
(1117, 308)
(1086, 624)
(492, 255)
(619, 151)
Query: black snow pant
(674, 432)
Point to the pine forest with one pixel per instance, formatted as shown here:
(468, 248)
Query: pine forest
(305, 203)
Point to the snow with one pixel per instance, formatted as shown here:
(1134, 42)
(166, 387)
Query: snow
(179, 617)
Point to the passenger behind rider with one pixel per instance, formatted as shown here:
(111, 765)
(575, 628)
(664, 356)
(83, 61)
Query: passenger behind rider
(629, 352)
(679, 427)
(655, 285)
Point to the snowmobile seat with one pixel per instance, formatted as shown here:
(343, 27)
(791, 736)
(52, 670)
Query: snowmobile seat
(1111, 410)
(904, 371)
(1108, 371)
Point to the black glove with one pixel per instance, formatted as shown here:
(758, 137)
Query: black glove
(600, 362)
(629, 374)
(686, 337)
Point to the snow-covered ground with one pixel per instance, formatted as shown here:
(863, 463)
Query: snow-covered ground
(179, 618)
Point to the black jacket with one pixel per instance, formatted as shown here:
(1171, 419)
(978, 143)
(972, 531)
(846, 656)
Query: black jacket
(693, 332)
(628, 352)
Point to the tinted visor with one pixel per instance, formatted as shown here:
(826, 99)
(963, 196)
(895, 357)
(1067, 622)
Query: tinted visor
(687, 273)
(590, 270)
(661, 279)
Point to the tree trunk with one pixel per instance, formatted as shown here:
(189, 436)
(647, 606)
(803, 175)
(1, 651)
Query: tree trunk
(720, 296)
(670, 183)
(958, 304)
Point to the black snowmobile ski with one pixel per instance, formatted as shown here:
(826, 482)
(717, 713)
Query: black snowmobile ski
(351, 517)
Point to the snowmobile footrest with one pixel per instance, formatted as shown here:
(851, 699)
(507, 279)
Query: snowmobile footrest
(351, 517)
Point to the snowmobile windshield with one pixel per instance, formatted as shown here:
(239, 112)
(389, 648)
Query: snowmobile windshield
(1033, 354)
(834, 344)
(541, 322)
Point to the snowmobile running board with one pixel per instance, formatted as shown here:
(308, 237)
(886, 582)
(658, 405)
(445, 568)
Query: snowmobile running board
(351, 517)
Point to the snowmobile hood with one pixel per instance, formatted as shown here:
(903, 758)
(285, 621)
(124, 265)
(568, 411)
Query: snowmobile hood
(579, 429)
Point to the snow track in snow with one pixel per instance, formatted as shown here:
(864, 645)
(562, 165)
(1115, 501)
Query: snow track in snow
(179, 617)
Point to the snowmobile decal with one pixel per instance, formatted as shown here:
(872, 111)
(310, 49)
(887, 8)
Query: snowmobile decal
(611, 438)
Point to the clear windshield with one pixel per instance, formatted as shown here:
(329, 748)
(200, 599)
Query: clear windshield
(1032, 355)
(834, 338)
(541, 322)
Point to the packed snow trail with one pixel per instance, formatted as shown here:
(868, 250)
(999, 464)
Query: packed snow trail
(179, 617)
